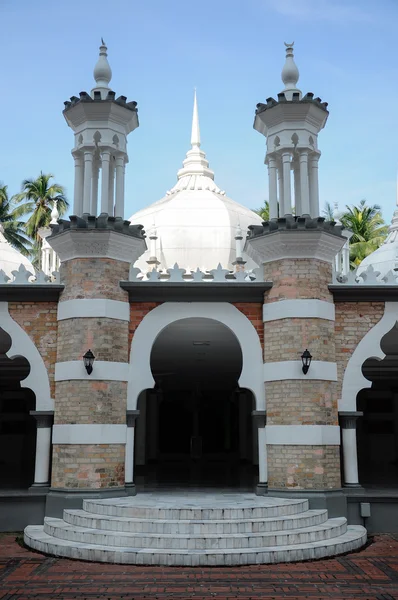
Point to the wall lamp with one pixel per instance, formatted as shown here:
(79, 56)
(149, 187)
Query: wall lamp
(306, 359)
(88, 360)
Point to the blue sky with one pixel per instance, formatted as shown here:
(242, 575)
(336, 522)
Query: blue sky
(233, 52)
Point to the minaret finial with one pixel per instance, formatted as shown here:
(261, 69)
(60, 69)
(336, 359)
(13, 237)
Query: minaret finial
(195, 135)
(102, 72)
(290, 73)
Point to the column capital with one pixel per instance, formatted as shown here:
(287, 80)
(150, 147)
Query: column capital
(105, 153)
(348, 419)
(131, 417)
(286, 156)
(44, 418)
(260, 417)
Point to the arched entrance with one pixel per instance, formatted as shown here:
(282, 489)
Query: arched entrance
(195, 426)
(17, 426)
(377, 431)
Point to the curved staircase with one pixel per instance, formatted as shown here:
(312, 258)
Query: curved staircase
(194, 528)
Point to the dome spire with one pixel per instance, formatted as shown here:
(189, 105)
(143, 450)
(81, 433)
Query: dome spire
(195, 133)
(290, 73)
(102, 72)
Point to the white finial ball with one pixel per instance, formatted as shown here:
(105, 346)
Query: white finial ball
(102, 70)
(290, 72)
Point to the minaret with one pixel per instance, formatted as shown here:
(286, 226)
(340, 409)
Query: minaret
(101, 125)
(291, 125)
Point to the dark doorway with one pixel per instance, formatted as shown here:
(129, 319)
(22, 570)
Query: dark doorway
(17, 426)
(195, 428)
(378, 429)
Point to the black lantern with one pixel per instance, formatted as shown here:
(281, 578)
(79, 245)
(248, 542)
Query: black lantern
(88, 360)
(306, 359)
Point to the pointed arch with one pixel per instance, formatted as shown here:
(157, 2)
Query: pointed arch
(140, 374)
(22, 345)
(368, 347)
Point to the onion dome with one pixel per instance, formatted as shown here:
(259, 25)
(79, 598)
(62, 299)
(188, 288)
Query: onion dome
(10, 258)
(195, 221)
(102, 72)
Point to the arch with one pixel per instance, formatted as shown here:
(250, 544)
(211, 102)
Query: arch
(140, 375)
(22, 345)
(369, 347)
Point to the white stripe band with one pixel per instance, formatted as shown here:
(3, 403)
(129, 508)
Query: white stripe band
(102, 371)
(89, 434)
(303, 435)
(299, 309)
(293, 369)
(97, 307)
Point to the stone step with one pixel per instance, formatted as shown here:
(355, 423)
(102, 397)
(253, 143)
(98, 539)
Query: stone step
(37, 538)
(82, 518)
(59, 529)
(188, 506)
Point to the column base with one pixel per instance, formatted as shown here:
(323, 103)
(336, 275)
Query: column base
(353, 488)
(131, 489)
(261, 489)
(335, 501)
(60, 498)
(39, 488)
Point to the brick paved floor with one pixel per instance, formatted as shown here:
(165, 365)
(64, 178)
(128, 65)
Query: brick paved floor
(371, 574)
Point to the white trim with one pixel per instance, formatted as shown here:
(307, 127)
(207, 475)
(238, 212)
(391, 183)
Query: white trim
(22, 345)
(89, 434)
(293, 369)
(300, 309)
(102, 371)
(140, 376)
(101, 307)
(303, 435)
(368, 347)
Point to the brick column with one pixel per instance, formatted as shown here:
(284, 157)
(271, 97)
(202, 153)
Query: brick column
(90, 409)
(302, 433)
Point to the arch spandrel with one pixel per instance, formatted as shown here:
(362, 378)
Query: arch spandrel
(22, 345)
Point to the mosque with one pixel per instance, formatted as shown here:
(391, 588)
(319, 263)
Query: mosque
(194, 386)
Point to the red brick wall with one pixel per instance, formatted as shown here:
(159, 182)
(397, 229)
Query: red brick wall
(39, 320)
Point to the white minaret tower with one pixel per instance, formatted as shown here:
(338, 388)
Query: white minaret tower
(291, 126)
(101, 125)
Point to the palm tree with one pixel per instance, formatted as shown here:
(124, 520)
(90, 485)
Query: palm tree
(368, 228)
(328, 212)
(37, 200)
(263, 211)
(13, 227)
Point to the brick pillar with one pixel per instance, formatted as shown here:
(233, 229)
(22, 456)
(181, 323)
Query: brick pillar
(90, 409)
(302, 433)
(299, 399)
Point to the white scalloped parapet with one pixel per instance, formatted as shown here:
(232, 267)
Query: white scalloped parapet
(369, 276)
(22, 276)
(176, 274)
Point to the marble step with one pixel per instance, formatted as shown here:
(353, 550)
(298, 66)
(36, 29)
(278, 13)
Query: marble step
(172, 506)
(37, 538)
(82, 518)
(59, 529)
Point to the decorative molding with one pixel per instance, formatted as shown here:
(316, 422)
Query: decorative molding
(176, 275)
(97, 243)
(348, 419)
(22, 345)
(44, 418)
(368, 347)
(303, 435)
(82, 308)
(102, 371)
(89, 434)
(292, 369)
(294, 243)
(298, 309)
(149, 291)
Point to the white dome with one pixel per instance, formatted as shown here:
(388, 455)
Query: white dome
(385, 258)
(195, 222)
(11, 259)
